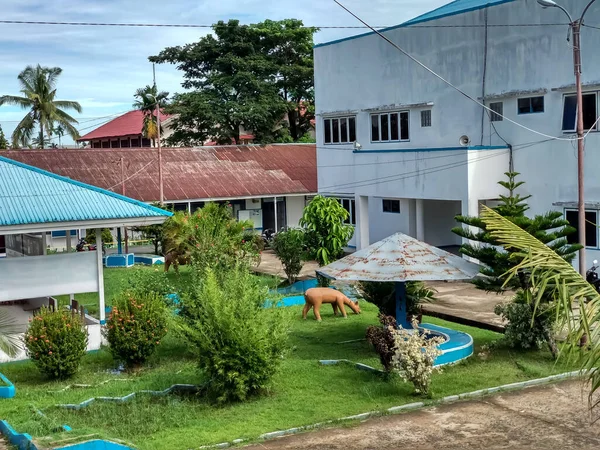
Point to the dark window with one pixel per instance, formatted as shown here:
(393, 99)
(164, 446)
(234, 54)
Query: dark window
(335, 131)
(591, 228)
(2, 246)
(146, 142)
(531, 105)
(114, 144)
(96, 144)
(135, 142)
(404, 126)
(497, 111)
(125, 143)
(327, 129)
(385, 127)
(426, 118)
(570, 112)
(352, 128)
(374, 128)
(105, 144)
(344, 130)
(394, 126)
(350, 206)
(353, 212)
(391, 206)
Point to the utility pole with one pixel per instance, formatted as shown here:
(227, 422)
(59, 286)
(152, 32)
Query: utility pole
(122, 163)
(576, 32)
(160, 168)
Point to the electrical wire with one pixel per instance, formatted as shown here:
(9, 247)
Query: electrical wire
(131, 176)
(79, 120)
(326, 27)
(444, 80)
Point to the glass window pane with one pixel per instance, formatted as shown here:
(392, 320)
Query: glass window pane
(346, 205)
(327, 130)
(353, 212)
(524, 105)
(375, 127)
(498, 111)
(569, 113)
(385, 136)
(571, 217)
(344, 130)
(591, 229)
(394, 127)
(352, 128)
(426, 118)
(589, 111)
(335, 130)
(404, 126)
(537, 104)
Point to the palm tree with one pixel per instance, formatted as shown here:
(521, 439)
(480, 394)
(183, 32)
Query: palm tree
(60, 132)
(575, 302)
(9, 341)
(146, 99)
(38, 86)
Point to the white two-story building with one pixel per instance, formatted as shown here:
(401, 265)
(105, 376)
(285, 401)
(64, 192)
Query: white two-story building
(408, 152)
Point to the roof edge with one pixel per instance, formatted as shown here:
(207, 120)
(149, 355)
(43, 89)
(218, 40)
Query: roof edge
(414, 21)
(87, 186)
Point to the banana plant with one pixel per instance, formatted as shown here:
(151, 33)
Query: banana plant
(9, 334)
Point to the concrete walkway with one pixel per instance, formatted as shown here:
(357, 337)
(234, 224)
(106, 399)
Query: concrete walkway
(270, 265)
(550, 417)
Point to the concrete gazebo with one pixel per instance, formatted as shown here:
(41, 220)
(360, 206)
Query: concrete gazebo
(34, 202)
(400, 258)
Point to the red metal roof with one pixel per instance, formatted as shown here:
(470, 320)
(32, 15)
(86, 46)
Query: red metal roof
(128, 124)
(227, 171)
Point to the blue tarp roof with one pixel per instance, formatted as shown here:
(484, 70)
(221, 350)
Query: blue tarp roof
(450, 9)
(29, 196)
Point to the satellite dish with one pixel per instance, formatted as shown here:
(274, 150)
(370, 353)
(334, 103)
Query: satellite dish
(464, 141)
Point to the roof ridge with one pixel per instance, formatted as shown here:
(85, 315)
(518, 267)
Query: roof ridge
(84, 185)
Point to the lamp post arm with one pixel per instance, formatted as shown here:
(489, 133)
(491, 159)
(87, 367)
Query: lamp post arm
(586, 10)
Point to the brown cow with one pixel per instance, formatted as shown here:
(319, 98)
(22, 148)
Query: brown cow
(315, 297)
(176, 260)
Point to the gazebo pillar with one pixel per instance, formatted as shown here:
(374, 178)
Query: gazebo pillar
(401, 306)
(100, 275)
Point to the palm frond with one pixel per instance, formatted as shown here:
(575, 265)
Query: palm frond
(10, 342)
(67, 104)
(23, 102)
(24, 131)
(575, 302)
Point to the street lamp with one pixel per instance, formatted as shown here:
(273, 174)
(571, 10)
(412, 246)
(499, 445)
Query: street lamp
(575, 26)
(160, 171)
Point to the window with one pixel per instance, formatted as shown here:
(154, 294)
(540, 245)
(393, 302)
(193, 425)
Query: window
(339, 130)
(531, 105)
(589, 103)
(389, 127)
(391, 206)
(350, 206)
(497, 111)
(591, 230)
(426, 118)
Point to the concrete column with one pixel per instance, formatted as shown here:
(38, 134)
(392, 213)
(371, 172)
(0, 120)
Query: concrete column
(275, 200)
(100, 275)
(189, 208)
(420, 219)
(362, 221)
(470, 207)
(69, 246)
(44, 243)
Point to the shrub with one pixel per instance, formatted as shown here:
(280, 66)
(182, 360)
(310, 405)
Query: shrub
(382, 340)
(135, 327)
(522, 331)
(414, 354)
(289, 248)
(107, 237)
(142, 281)
(239, 343)
(56, 341)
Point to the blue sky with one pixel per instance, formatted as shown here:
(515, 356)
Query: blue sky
(103, 66)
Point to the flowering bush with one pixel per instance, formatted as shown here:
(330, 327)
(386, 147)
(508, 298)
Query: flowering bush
(56, 341)
(135, 327)
(382, 339)
(414, 355)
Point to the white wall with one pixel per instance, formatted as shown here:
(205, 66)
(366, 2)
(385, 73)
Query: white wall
(294, 207)
(439, 221)
(365, 73)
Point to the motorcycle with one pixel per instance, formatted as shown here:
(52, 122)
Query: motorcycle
(83, 246)
(592, 277)
(267, 236)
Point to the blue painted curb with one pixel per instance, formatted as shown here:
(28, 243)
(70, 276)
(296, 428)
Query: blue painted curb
(175, 388)
(9, 390)
(22, 441)
(96, 444)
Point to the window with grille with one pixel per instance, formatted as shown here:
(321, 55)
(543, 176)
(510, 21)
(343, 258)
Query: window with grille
(426, 118)
(391, 206)
(389, 127)
(497, 111)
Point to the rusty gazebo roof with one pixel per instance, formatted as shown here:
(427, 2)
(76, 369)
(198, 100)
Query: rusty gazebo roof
(400, 258)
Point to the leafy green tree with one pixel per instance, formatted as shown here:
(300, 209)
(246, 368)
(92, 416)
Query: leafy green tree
(154, 232)
(3, 142)
(145, 101)
(550, 228)
(38, 86)
(289, 247)
(326, 233)
(257, 77)
(60, 132)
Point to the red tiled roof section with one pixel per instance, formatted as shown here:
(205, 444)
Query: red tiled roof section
(189, 173)
(128, 124)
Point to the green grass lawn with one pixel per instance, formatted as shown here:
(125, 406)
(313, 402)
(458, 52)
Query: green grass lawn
(303, 392)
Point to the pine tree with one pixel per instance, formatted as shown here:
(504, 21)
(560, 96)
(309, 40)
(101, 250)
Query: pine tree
(550, 228)
(3, 141)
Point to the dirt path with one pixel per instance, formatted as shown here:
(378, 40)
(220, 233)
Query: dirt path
(551, 417)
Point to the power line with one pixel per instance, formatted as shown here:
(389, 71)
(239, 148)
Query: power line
(80, 120)
(444, 80)
(325, 27)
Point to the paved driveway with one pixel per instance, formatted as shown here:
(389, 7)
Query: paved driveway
(551, 417)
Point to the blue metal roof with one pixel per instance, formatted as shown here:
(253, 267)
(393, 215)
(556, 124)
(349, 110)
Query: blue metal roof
(450, 9)
(29, 195)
